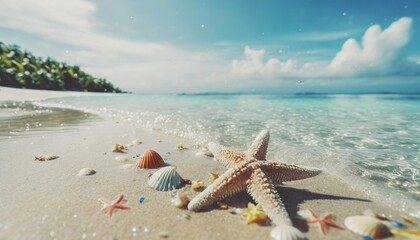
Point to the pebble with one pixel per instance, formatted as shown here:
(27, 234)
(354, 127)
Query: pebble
(86, 172)
(122, 159)
(184, 216)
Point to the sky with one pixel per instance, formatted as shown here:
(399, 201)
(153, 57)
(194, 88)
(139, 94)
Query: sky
(277, 46)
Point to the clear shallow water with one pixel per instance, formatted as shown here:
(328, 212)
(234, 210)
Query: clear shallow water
(20, 119)
(371, 141)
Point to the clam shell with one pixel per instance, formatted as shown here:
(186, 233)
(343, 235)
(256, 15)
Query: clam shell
(86, 172)
(150, 159)
(165, 179)
(367, 226)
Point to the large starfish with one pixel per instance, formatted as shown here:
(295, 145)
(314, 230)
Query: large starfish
(251, 172)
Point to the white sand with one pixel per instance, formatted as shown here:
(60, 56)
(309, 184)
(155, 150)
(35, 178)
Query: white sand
(47, 200)
(15, 94)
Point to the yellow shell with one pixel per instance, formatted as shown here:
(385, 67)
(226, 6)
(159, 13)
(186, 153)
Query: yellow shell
(197, 185)
(180, 147)
(119, 148)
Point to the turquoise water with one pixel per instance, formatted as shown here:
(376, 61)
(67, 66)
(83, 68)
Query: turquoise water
(370, 141)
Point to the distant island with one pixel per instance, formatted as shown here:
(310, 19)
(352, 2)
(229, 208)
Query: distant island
(21, 69)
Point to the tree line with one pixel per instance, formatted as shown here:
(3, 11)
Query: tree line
(21, 69)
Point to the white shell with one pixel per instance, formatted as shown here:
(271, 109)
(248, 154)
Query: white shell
(86, 172)
(286, 232)
(180, 200)
(367, 226)
(165, 179)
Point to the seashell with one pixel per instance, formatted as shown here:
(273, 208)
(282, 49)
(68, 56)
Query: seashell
(86, 172)
(135, 141)
(367, 226)
(388, 222)
(150, 159)
(119, 148)
(180, 147)
(407, 219)
(286, 232)
(204, 152)
(197, 186)
(408, 233)
(122, 159)
(181, 200)
(165, 179)
(369, 212)
(45, 158)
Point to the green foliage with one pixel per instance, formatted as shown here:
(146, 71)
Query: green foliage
(20, 69)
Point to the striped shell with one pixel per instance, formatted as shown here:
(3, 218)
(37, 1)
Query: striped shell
(286, 232)
(150, 159)
(367, 226)
(165, 179)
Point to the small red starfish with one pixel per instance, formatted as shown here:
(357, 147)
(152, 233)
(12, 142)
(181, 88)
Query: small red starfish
(323, 222)
(112, 205)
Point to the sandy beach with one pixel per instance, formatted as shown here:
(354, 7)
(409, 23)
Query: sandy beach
(48, 200)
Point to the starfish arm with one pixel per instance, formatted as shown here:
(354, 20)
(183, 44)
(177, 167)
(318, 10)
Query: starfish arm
(263, 192)
(281, 172)
(231, 182)
(226, 156)
(258, 148)
(331, 224)
(120, 198)
(323, 227)
(121, 207)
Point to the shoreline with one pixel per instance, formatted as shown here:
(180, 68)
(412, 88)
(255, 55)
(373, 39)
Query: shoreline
(48, 200)
(19, 94)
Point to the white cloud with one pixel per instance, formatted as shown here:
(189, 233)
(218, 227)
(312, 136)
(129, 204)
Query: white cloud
(379, 54)
(321, 36)
(72, 23)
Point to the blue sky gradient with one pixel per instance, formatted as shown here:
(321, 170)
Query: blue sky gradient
(227, 46)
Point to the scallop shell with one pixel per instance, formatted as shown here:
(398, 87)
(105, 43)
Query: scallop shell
(165, 179)
(367, 226)
(286, 232)
(150, 159)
